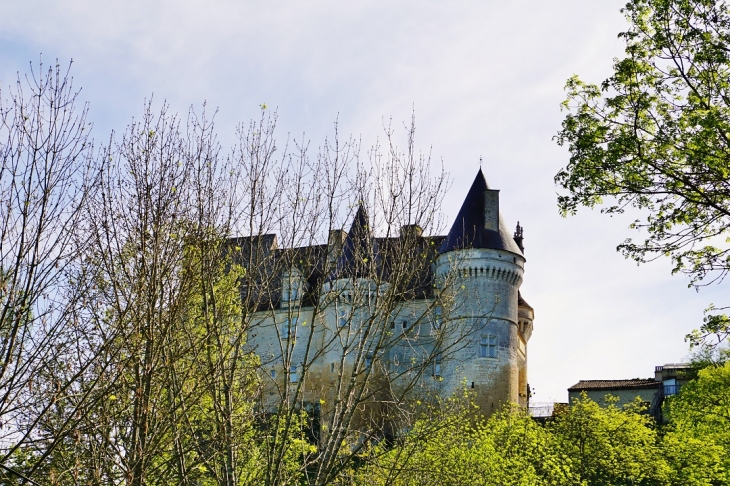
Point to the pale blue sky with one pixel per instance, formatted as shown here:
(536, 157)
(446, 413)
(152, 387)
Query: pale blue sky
(485, 78)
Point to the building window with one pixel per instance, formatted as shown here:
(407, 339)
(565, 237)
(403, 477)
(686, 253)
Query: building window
(437, 366)
(289, 329)
(291, 284)
(436, 322)
(368, 362)
(332, 367)
(671, 387)
(293, 374)
(405, 325)
(273, 373)
(342, 318)
(488, 346)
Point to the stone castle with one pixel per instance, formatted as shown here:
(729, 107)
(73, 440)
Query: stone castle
(415, 313)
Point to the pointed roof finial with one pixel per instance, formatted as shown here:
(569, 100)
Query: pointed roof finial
(480, 162)
(518, 237)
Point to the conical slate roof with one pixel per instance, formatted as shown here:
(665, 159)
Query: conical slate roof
(359, 251)
(521, 302)
(469, 229)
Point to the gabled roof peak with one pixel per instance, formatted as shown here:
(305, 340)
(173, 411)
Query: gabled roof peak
(359, 251)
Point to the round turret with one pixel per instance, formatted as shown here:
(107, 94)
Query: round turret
(480, 269)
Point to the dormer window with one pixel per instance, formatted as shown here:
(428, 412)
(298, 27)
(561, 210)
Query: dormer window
(289, 329)
(291, 293)
(293, 287)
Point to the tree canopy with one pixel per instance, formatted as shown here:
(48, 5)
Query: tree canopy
(655, 136)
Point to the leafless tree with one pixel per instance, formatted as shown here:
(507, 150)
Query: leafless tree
(47, 175)
(142, 222)
(333, 351)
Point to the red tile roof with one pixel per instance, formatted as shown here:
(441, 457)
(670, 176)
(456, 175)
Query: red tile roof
(614, 384)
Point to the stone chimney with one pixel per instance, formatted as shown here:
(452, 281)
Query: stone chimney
(336, 238)
(491, 209)
(334, 244)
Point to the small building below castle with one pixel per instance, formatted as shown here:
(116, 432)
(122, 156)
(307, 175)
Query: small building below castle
(667, 381)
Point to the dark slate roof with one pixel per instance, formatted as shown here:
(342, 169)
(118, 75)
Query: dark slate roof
(261, 289)
(614, 384)
(468, 230)
(414, 256)
(521, 302)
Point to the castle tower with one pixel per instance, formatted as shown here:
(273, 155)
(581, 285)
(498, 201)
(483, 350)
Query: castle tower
(481, 266)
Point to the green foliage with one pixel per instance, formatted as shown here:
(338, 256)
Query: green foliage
(705, 402)
(656, 136)
(698, 440)
(609, 445)
(585, 445)
(211, 380)
(694, 462)
(507, 449)
(290, 454)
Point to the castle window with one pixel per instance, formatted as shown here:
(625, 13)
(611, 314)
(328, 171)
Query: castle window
(368, 362)
(488, 346)
(437, 366)
(289, 329)
(291, 284)
(342, 318)
(436, 322)
(332, 367)
(404, 324)
(293, 374)
(273, 373)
